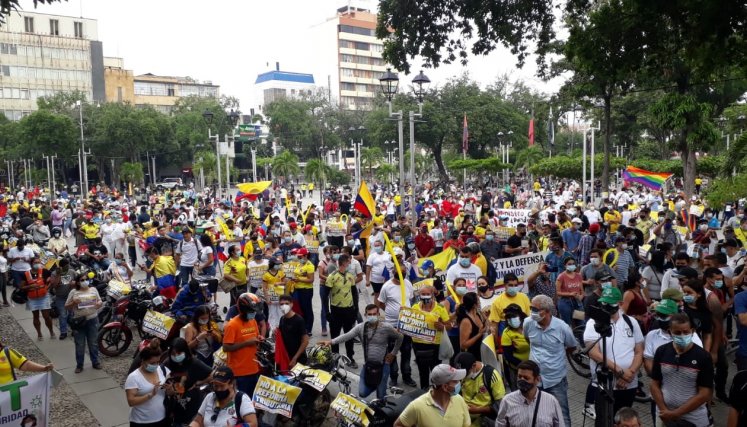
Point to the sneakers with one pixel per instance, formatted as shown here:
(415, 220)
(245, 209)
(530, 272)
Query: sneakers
(393, 382)
(589, 412)
(352, 365)
(409, 382)
(63, 335)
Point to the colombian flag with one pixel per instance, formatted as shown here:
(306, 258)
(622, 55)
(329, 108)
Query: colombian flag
(250, 190)
(652, 180)
(364, 203)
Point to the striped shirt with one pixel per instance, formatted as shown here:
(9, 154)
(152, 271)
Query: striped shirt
(622, 267)
(517, 411)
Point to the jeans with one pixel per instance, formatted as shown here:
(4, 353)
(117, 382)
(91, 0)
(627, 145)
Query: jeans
(722, 371)
(101, 265)
(88, 332)
(18, 277)
(560, 391)
(565, 309)
(4, 286)
(184, 273)
(60, 304)
(132, 251)
(247, 383)
(405, 351)
(741, 363)
(324, 295)
(343, 318)
(426, 357)
(304, 300)
(364, 390)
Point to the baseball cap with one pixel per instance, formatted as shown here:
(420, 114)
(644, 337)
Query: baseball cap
(257, 251)
(223, 374)
(611, 296)
(602, 275)
(594, 228)
(731, 243)
(685, 272)
(444, 373)
(672, 294)
(577, 221)
(302, 251)
(398, 251)
(427, 264)
(666, 307)
(293, 225)
(464, 360)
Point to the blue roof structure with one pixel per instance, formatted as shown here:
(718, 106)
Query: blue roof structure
(285, 76)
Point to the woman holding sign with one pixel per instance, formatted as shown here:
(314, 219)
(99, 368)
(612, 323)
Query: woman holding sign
(426, 353)
(83, 303)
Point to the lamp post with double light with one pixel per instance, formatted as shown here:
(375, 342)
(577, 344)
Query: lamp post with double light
(389, 84)
(357, 151)
(233, 118)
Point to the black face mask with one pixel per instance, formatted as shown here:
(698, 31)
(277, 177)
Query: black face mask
(222, 394)
(524, 385)
(194, 287)
(483, 289)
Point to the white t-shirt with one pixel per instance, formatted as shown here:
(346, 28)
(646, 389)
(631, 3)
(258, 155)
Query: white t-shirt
(620, 346)
(657, 338)
(226, 416)
(22, 264)
(205, 253)
(470, 274)
(592, 216)
(669, 281)
(152, 410)
(379, 263)
(3, 264)
(438, 236)
(189, 252)
(391, 296)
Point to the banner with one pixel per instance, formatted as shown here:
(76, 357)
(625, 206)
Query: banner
(275, 396)
(351, 411)
(26, 401)
(315, 378)
(515, 216)
(503, 233)
(157, 324)
(522, 266)
(419, 324)
(117, 289)
(425, 282)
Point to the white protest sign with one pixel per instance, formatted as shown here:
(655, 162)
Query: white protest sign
(515, 216)
(26, 400)
(522, 266)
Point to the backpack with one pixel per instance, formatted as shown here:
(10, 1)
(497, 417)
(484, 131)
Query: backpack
(197, 245)
(487, 380)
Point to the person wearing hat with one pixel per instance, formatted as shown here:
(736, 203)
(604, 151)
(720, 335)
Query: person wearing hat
(255, 269)
(303, 286)
(624, 350)
(187, 255)
(225, 406)
(529, 405)
(482, 388)
(572, 236)
(426, 410)
(514, 343)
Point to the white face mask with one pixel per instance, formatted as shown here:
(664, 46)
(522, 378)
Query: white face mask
(285, 308)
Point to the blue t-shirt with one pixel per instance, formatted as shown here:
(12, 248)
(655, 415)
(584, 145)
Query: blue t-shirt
(571, 238)
(740, 307)
(547, 347)
(555, 263)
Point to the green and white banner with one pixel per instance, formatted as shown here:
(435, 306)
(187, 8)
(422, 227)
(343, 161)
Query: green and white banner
(26, 401)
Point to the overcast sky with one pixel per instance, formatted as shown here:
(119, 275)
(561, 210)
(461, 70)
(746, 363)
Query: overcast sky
(230, 41)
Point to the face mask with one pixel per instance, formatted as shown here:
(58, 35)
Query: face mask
(611, 309)
(411, 246)
(606, 285)
(483, 289)
(56, 235)
(682, 341)
(524, 385)
(571, 267)
(351, 242)
(249, 316)
(287, 239)
(179, 358)
(335, 256)
(464, 262)
(474, 375)
(594, 261)
(718, 284)
(688, 299)
(285, 308)
(30, 424)
(203, 321)
(426, 299)
(514, 322)
(84, 283)
(151, 368)
(624, 246)
(461, 290)
(276, 267)
(396, 238)
(292, 257)
(512, 291)
(457, 389)
(378, 249)
(489, 237)
(37, 266)
(536, 316)
(222, 394)
(372, 319)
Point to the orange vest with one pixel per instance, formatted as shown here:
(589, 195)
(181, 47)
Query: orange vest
(39, 280)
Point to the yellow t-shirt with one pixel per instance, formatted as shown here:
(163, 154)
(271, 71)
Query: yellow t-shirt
(249, 247)
(482, 263)
(438, 313)
(516, 339)
(274, 283)
(341, 289)
(475, 393)
(423, 411)
(306, 271)
(499, 304)
(610, 216)
(537, 186)
(15, 360)
(236, 268)
(90, 231)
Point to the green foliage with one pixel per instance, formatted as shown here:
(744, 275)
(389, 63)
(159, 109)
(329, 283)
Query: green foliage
(385, 171)
(491, 164)
(338, 177)
(48, 133)
(285, 165)
(571, 167)
(736, 158)
(131, 172)
(318, 171)
(724, 190)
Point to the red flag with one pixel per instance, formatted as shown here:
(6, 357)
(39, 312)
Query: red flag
(281, 354)
(531, 130)
(465, 136)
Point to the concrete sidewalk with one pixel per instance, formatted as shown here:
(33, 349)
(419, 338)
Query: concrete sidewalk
(97, 390)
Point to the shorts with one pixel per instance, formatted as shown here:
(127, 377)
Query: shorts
(36, 304)
(376, 287)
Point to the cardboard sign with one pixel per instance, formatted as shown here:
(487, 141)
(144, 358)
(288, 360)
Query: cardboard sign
(26, 397)
(275, 396)
(425, 282)
(312, 246)
(157, 324)
(117, 289)
(503, 233)
(515, 216)
(254, 275)
(351, 411)
(419, 324)
(522, 266)
(316, 379)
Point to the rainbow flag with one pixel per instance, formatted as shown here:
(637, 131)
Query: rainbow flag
(652, 180)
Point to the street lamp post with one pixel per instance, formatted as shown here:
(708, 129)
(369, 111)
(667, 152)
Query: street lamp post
(357, 152)
(389, 84)
(83, 160)
(233, 118)
(506, 144)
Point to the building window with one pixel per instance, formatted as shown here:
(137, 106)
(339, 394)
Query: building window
(9, 48)
(78, 26)
(54, 27)
(170, 91)
(119, 94)
(356, 30)
(362, 46)
(28, 24)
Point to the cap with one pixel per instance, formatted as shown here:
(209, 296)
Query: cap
(223, 374)
(620, 239)
(186, 230)
(302, 252)
(685, 272)
(672, 294)
(577, 221)
(443, 373)
(594, 228)
(257, 251)
(731, 242)
(667, 307)
(293, 225)
(398, 251)
(464, 360)
(611, 296)
(427, 264)
(307, 228)
(602, 275)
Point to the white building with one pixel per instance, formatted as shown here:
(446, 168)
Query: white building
(41, 55)
(348, 57)
(276, 84)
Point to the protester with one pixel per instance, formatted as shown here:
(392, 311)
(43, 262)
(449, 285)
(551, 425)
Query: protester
(482, 388)
(241, 336)
(293, 332)
(10, 360)
(145, 391)
(225, 405)
(203, 335)
(529, 406)
(441, 405)
(426, 353)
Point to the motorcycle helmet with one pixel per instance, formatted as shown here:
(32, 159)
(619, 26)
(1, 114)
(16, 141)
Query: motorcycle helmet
(248, 303)
(319, 356)
(57, 231)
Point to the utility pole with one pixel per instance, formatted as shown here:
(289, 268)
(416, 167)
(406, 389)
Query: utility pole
(153, 176)
(54, 184)
(112, 159)
(49, 178)
(83, 159)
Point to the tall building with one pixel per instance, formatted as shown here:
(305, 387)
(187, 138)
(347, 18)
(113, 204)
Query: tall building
(349, 57)
(119, 82)
(162, 92)
(276, 84)
(41, 55)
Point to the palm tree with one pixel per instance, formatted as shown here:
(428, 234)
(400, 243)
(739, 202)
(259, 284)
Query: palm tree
(370, 157)
(131, 172)
(385, 172)
(318, 171)
(528, 157)
(285, 165)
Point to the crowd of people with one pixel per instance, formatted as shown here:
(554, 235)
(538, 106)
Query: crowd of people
(667, 271)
